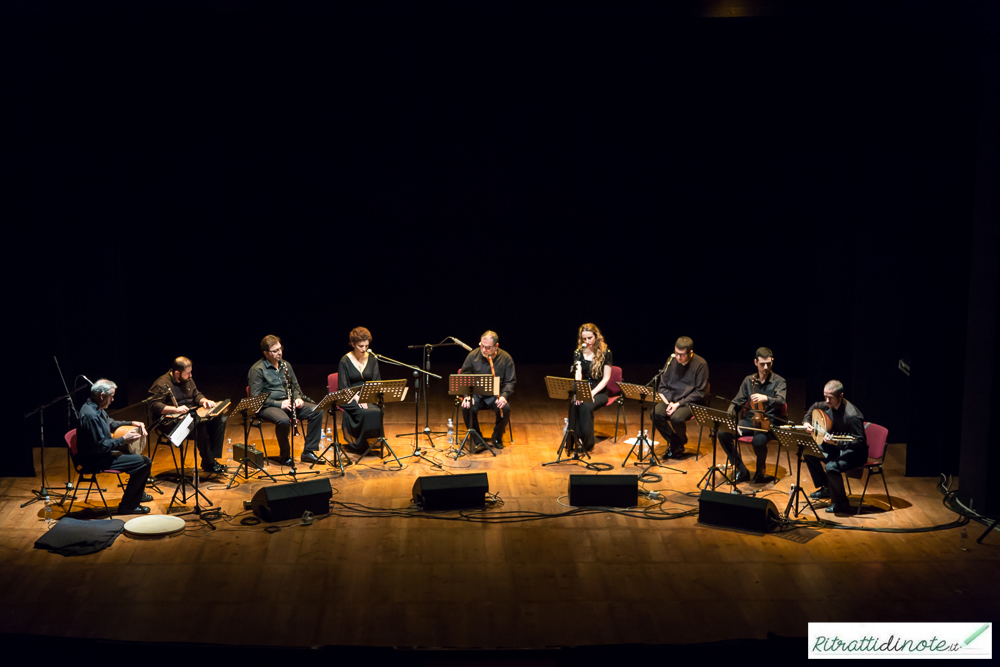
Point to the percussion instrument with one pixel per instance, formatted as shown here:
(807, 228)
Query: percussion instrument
(134, 447)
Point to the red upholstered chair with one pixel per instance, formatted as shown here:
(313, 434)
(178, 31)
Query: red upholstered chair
(747, 439)
(332, 385)
(877, 437)
(458, 405)
(615, 396)
(86, 475)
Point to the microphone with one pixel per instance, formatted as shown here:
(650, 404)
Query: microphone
(87, 379)
(467, 348)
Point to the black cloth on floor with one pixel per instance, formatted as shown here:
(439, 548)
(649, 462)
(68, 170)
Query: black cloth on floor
(73, 537)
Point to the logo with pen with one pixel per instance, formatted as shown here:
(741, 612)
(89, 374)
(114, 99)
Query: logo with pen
(895, 640)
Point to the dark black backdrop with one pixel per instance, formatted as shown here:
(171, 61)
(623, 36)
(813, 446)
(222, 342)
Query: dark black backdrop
(798, 182)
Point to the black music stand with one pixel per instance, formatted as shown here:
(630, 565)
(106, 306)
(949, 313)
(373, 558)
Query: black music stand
(377, 391)
(250, 405)
(177, 438)
(645, 396)
(716, 418)
(806, 446)
(474, 384)
(330, 402)
(571, 390)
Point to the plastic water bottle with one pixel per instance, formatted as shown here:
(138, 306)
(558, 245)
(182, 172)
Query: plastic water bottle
(565, 424)
(322, 441)
(48, 512)
(229, 450)
(329, 434)
(451, 433)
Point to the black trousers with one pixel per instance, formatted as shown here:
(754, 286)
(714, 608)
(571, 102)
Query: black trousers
(208, 435)
(732, 450)
(829, 472)
(673, 428)
(581, 419)
(471, 416)
(282, 427)
(136, 466)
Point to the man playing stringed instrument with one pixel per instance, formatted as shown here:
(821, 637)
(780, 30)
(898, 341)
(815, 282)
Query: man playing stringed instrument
(97, 449)
(842, 418)
(763, 393)
(175, 393)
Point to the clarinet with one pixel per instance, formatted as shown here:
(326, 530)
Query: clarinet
(291, 400)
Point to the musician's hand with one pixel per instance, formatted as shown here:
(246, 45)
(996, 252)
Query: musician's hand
(501, 402)
(828, 438)
(809, 428)
(467, 402)
(131, 436)
(578, 402)
(672, 407)
(299, 403)
(141, 427)
(732, 410)
(364, 406)
(757, 398)
(286, 405)
(205, 403)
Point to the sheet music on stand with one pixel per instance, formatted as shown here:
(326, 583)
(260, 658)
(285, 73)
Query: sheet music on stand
(792, 438)
(562, 388)
(339, 397)
(393, 391)
(181, 431)
(461, 384)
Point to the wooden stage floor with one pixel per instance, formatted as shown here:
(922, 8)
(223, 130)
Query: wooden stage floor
(572, 580)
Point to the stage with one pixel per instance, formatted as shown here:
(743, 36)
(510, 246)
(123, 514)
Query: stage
(571, 579)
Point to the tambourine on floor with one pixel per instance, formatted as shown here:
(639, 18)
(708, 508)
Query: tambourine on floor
(154, 526)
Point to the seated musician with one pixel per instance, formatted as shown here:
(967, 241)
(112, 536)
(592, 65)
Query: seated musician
(362, 421)
(175, 393)
(592, 362)
(96, 450)
(827, 473)
(489, 359)
(269, 376)
(768, 389)
(684, 382)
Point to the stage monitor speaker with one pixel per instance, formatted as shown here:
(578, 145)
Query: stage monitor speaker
(603, 490)
(735, 511)
(451, 492)
(290, 501)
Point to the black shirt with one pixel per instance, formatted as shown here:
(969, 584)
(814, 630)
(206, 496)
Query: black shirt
(845, 420)
(263, 377)
(93, 435)
(185, 392)
(774, 388)
(587, 367)
(476, 363)
(348, 374)
(685, 384)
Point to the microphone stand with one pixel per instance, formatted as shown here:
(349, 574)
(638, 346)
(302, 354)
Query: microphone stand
(422, 389)
(43, 490)
(416, 440)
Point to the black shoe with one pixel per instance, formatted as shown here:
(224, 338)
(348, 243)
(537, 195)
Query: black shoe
(675, 452)
(214, 466)
(141, 509)
(820, 493)
(310, 457)
(839, 509)
(479, 447)
(288, 462)
(146, 498)
(498, 444)
(759, 477)
(741, 476)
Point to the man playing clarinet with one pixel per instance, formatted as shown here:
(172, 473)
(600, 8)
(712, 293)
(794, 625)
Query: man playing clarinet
(275, 377)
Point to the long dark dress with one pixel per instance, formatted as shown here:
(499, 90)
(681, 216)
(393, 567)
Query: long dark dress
(359, 423)
(581, 417)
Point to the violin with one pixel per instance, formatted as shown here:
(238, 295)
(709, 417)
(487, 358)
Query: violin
(757, 414)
